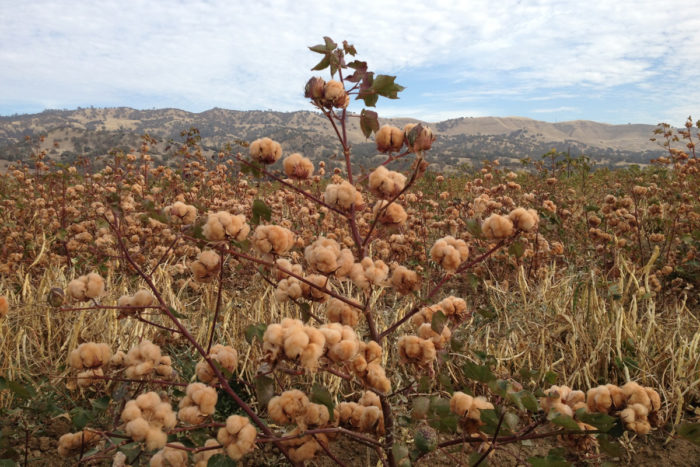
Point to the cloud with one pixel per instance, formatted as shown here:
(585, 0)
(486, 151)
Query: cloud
(567, 109)
(252, 54)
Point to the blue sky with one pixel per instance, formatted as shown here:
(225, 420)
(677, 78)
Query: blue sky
(611, 61)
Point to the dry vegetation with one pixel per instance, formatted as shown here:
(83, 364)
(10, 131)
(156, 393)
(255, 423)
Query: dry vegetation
(407, 312)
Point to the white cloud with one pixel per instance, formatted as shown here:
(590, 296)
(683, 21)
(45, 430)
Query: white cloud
(252, 54)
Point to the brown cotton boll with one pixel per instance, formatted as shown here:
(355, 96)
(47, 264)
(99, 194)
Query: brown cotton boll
(4, 306)
(170, 456)
(288, 288)
(118, 359)
(142, 359)
(497, 227)
(343, 196)
(425, 331)
(90, 377)
(272, 239)
(90, 355)
(386, 184)
(370, 399)
(316, 415)
(207, 266)
(338, 311)
(392, 214)
(449, 252)
(295, 341)
(636, 394)
(315, 293)
(71, 444)
(549, 206)
(654, 399)
(413, 349)
(155, 439)
(404, 280)
(460, 403)
(478, 404)
(635, 418)
(524, 219)
(182, 212)
(322, 255)
(389, 139)
(137, 428)
(265, 150)
(201, 458)
(376, 378)
(334, 94)
(422, 141)
(425, 315)
(288, 407)
(372, 351)
(345, 262)
(222, 225)
(287, 265)
(372, 420)
(297, 166)
(454, 308)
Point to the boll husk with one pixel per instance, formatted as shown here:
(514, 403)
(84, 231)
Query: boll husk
(170, 456)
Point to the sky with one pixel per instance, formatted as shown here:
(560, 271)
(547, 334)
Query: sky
(614, 61)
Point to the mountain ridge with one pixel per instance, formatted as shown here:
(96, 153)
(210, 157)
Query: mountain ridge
(93, 131)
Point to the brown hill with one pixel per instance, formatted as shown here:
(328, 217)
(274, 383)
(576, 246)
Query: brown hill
(93, 132)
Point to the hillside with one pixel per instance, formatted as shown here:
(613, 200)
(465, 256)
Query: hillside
(93, 132)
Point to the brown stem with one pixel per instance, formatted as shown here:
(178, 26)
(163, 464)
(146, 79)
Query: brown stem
(218, 304)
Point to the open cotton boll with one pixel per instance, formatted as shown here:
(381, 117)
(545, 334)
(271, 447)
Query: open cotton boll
(524, 219)
(201, 458)
(182, 212)
(225, 355)
(497, 227)
(272, 239)
(343, 196)
(338, 311)
(323, 254)
(423, 141)
(90, 355)
(391, 214)
(413, 349)
(71, 444)
(386, 184)
(237, 437)
(170, 456)
(198, 403)
(334, 95)
(297, 166)
(389, 139)
(86, 287)
(4, 306)
(146, 417)
(265, 150)
(206, 266)
(405, 280)
(449, 252)
(368, 272)
(222, 225)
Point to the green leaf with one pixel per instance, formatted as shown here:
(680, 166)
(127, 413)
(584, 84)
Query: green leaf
(529, 401)
(101, 404)
(601, 421)
(7, 463)
(323, 64)
(550, 377)
(384, 86)
(305, 311)
(481, 373)
(440, 406)
(591, 208)
(490, 419)
(80, 417)
(260, 211)
(554, 459)
(330, 45)
(517, 248)
(610, 446)
(349, 48)
(318, 48)
(424, 384)
(320, 395)
(255, 330)
(474, 227)
(425, 440)
(369, 122)
(421, 406)
(564, 421)
(438, 322)
(689, 431)
(264, 389)
(221, 460)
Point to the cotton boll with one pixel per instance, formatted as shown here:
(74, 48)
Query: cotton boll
(265, 150)
(405, 280)
(272, 239)
(201, 458)
(415, 350)
(497, 227)
(524, 219)
(386, 184)
(449, 252)
(425, 331)
(223, 225)
(170, 456)
(297, 166)
(392, 215)
(323, 254)
(422, 141)
(389, 139)
(343, 196)
(182, 212)
(4, 306)
(207, 266)
(340, 312)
